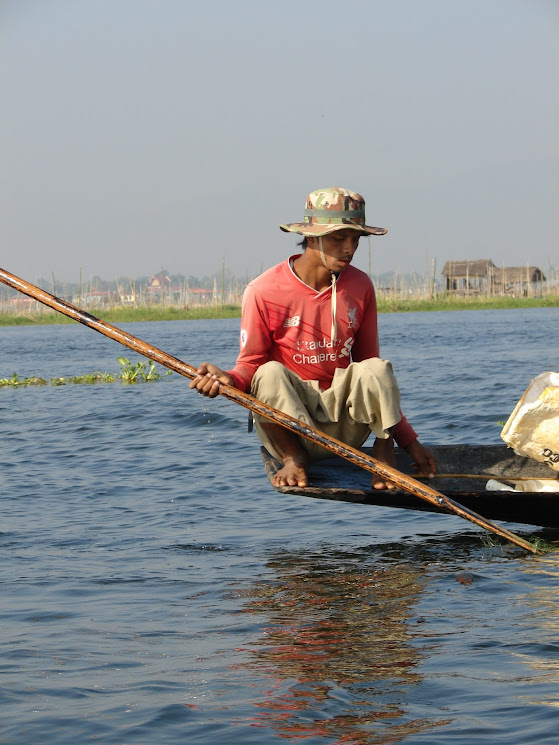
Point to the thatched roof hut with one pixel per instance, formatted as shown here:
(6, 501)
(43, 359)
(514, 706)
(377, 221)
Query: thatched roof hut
(512, 275)
(469, 276)
(463, 269)
(481, 275)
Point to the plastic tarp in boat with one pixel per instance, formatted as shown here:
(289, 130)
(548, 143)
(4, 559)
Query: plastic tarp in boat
(533, 427)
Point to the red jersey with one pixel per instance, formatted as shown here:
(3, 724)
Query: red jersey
(285, 320)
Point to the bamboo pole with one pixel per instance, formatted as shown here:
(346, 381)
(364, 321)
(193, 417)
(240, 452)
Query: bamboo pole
(223, 282)
(427, 275)
(367, 462)
(487, 476)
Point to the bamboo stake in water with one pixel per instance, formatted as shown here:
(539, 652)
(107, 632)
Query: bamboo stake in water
(358, 458)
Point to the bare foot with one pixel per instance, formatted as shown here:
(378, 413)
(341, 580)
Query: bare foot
(383, 450)
(295, 461)
(293, 473)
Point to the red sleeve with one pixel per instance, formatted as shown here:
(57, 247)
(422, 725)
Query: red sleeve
(366, 339)
(255, 340)
(404, 433)
(366, 346)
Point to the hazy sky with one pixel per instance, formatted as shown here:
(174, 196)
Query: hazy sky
(137, 134)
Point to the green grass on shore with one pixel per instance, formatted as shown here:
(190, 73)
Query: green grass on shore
(451, 302)
(125, 315)
(385, 305)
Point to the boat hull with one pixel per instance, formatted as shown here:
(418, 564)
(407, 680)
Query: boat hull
(338, 480)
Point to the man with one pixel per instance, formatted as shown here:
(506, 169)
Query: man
(309, 347)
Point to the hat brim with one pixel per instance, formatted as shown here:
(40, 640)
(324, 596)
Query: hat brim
(316, 230)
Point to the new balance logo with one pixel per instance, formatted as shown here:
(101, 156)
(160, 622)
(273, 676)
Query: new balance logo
(293, 321)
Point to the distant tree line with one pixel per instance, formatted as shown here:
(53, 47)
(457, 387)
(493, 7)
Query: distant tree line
(124, 284)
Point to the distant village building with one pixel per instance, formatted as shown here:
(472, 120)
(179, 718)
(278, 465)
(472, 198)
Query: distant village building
(129, 299)
(469, 276)
(201, 295)
(519, 280)
(95, 298)
(160, 288)
(159, 284)
(481, 276)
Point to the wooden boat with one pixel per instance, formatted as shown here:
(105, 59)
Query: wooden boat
(473, 466)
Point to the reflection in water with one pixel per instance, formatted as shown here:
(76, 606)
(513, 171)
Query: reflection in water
(542, 603)
(338, 638)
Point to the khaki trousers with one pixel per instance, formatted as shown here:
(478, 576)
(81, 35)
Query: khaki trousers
(363, 398)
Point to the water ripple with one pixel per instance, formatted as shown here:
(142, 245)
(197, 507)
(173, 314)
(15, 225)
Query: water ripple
(155, 589)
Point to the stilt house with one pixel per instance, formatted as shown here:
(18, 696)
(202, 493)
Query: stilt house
(482, 277)
(476, 277)
(519, 280)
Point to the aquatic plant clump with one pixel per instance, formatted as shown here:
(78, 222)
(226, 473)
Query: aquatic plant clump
(540, 545)
(141, 372)
(16, 382)
(131, 373)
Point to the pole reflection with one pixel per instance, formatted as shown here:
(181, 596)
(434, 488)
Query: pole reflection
(541, 621)
(338, 648)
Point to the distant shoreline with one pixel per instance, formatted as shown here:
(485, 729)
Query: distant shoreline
(385, 305)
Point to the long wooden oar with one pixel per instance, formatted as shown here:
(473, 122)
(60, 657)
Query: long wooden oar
(409, 484)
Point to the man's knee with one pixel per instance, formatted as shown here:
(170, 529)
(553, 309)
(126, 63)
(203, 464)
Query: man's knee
(375, 366)
(267, 378)
(374, 373)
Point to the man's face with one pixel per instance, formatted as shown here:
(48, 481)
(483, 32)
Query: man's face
(339, 248)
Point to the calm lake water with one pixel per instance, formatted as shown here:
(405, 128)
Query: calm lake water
(155, 589)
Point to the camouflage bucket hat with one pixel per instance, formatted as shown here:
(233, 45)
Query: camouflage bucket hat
(327, 210)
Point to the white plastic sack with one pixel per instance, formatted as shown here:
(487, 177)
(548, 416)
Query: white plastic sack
(533, 427)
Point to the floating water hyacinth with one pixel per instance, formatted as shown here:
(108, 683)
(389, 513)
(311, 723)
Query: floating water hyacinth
(141, 372)
(131, 373)
(15, 381)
